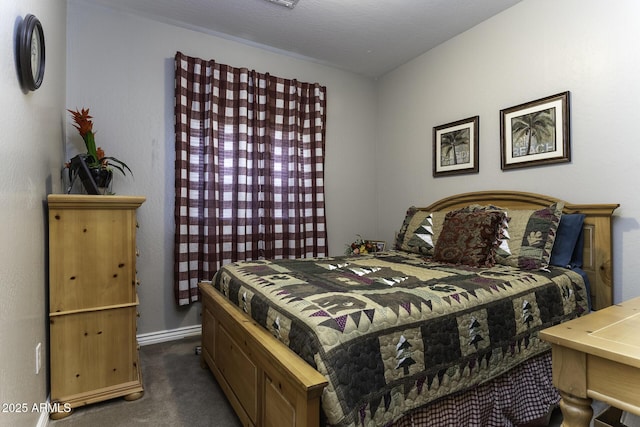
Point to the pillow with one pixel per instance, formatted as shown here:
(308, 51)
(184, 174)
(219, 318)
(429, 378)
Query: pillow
(504, 227)
(469, 237)
(530, 237)
(566, 244)
(404, 230)
(419, 231)
(578, 253)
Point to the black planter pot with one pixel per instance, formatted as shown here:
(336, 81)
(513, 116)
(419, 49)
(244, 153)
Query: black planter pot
(102, 177)
(95, 180)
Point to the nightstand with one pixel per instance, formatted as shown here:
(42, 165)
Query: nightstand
(597, 356)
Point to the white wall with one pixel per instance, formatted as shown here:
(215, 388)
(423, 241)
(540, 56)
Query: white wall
(534, 49)
(31, 152)
(121, 67)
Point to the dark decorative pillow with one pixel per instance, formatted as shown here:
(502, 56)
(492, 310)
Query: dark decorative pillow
(469, 237)
(566, 243)
(503, 245)
(531, 236)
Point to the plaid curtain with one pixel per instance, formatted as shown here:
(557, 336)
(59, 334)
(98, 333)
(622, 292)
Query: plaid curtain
(249, 178)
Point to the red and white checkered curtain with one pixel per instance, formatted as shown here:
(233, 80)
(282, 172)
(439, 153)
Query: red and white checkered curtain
(249, 169)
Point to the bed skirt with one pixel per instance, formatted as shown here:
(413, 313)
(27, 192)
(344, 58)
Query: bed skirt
(519, 397)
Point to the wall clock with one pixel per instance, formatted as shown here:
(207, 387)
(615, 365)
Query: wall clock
(31, 53)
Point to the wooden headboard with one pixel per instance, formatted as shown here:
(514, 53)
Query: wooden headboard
(597, 227)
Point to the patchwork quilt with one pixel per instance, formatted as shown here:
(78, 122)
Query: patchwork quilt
(395, 331)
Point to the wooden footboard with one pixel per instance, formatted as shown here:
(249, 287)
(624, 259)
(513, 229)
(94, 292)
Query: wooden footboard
(266, 383)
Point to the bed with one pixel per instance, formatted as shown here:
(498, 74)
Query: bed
(441, 331)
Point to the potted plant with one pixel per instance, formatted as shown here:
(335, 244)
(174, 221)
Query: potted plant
(93, 162)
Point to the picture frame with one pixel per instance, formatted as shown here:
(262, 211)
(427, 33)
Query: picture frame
(379, 244)
(455, 147)
(536, 133)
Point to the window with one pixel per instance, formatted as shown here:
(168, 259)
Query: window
(249, 169)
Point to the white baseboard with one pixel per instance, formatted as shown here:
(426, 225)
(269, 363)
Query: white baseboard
(43, 421)
(170, 335)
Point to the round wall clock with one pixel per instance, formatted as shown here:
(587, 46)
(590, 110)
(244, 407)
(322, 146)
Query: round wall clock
(31, 53)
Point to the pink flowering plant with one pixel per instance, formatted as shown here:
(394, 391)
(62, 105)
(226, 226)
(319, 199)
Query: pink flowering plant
(95, 155)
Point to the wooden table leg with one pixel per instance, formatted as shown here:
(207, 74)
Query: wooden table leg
(576, 411)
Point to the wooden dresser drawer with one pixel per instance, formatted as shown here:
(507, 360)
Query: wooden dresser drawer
(82, 350)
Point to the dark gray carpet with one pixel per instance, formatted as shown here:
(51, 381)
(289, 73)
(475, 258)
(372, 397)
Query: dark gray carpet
(178, 392)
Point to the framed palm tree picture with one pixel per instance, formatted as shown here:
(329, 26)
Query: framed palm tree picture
(536, 133)
(455, 147)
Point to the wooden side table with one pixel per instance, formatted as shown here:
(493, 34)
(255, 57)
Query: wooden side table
(597, 356)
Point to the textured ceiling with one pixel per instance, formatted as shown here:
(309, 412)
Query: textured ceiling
(368, 37)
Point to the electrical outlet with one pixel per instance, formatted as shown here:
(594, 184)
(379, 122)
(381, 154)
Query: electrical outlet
(38, 358)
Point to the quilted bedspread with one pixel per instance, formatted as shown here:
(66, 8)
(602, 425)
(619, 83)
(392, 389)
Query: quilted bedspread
(394, 331)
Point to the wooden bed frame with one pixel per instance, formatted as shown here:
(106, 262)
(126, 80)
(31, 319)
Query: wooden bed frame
(269, 385)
